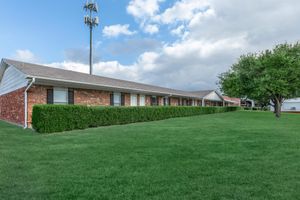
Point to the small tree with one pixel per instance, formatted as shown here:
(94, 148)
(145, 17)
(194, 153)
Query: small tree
(269, 76)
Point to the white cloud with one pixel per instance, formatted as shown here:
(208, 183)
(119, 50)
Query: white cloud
(110, 69)
(143, 8)
(117, 30)
(183, 10)
(185, 65)
(143, 11)
(25, 55)
(151, 29)
(147, 61)
(212, 37)
(146, 12)
(69, 65)
(179, 31)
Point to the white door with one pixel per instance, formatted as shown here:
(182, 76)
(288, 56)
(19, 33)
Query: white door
(142, 100)
(133, 100)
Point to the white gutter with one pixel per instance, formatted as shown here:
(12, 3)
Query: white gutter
(26, 102)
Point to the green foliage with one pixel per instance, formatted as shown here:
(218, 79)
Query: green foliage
(257, 108)
(58, 118)
(264, 77)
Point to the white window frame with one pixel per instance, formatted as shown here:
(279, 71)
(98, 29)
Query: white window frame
(117, 99)
(142, 100)
(133, 100)
(165, 101)
(58, 91)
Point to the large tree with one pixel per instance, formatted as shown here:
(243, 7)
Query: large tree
(269, 76)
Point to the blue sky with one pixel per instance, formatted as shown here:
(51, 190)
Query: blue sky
(50, 28)
(182, 44)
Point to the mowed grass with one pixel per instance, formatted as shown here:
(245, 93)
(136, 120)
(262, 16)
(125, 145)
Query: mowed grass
(239, 155)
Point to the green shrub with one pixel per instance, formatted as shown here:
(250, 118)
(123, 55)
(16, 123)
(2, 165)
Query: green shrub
(266, 109)
(257, 108)
(58, 118)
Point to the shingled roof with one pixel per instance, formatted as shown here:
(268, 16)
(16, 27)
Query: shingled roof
(56, 74)
(202, 93)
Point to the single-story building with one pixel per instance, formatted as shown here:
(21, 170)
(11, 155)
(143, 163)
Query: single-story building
(210, 98)
(290, 105)
(23, 85)
(214, 98)
(247, 103)
(230, 101)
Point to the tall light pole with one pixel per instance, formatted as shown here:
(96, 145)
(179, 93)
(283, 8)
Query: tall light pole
(92, 22)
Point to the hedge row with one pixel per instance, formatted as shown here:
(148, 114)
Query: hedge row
(257, 108)
(58, 118)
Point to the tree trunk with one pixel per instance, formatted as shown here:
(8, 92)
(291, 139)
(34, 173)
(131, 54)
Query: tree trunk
(278, 108)
(275, 107)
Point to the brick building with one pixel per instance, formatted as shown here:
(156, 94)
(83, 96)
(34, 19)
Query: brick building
(23, 85)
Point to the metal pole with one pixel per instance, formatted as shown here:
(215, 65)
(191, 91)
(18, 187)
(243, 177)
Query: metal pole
(91, 22)
(91, 50)
(91, 45)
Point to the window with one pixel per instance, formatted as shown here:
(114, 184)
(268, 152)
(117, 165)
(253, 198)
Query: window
(117, 99)
(166, 101)
(60, 96)
(142, 100)
(154, 101)
(133, 100)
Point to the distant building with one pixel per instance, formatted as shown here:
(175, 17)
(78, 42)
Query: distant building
(290, 105)
(247, 103)
(230, 101)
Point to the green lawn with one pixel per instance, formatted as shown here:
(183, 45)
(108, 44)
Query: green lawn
(239, 155)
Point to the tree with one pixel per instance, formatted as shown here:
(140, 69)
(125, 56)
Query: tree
(270, 76)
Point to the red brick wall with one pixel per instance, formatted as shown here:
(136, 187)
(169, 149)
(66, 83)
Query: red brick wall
(12, 107)
(36, 95)
(160, 101)
(213, 103)
(91, 97)
(127, 99)
(138, 100)
(174, 101)
(232, 104)
(148, 100)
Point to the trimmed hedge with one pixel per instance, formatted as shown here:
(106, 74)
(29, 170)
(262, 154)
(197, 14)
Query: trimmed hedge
(58, 118)
(257, 108)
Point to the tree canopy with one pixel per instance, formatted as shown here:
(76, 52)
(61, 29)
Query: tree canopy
(269, 76)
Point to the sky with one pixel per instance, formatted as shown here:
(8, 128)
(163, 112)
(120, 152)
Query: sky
(182, 44)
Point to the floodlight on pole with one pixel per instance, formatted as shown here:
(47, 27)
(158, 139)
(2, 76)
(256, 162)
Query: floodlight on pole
(91, 22)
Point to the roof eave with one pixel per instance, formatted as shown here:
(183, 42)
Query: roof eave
(84, 85)
(3, 67)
